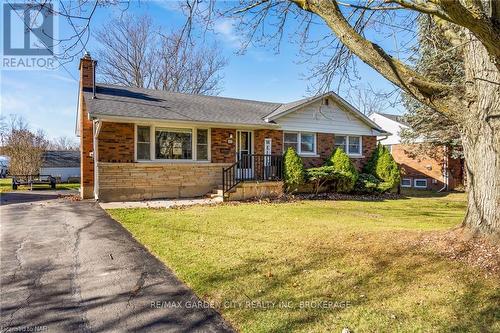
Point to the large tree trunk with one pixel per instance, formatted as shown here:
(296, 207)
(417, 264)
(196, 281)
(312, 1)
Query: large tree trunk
(481, 140)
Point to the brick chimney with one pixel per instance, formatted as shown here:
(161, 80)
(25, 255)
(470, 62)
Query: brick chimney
(87, 71)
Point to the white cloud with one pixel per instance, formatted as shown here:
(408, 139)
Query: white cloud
(225, 28)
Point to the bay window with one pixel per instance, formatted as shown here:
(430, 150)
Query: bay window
(349, 143)
(302, 142)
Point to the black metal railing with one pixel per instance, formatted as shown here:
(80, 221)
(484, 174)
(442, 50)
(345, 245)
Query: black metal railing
(252, 167)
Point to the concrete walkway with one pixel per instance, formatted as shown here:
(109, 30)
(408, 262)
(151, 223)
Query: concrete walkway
(160, 203)
(68, 267)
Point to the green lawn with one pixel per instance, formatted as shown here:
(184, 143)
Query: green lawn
(357, 257)
(6, 185)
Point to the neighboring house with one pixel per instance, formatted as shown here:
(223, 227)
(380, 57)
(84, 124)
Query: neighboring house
(63, 165)
(141, 144)
(439, 172)
(4, 166)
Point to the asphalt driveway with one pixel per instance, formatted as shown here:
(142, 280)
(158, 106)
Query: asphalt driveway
(66, 266)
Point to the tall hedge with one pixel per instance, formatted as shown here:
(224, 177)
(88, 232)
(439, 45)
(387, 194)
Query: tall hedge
(293, 170)
(341, 162)
(383, 166)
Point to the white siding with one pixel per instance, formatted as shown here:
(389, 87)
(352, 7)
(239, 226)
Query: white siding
(62, 173)
(390, 126)
(324, 119)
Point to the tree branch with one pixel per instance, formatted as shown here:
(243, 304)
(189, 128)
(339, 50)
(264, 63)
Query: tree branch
(392, 69)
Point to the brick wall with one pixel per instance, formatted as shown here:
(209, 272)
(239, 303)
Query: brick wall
(276, 141)
(325, 142)
(116, 142)
(143, 181)
(325, 148)
(422, 166)
(369, 144)
(223, 148)
(86, 131)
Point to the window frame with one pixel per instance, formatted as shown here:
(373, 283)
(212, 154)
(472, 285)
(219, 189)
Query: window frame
(136, 143)
(360, 152)
(403, 185)
(174, 130)
(346, 147)
(299, 143)
(195, 150)
(194, 143)
(420, 179)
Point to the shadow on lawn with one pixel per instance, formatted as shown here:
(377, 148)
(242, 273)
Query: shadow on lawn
(392, 273)
(404, 195)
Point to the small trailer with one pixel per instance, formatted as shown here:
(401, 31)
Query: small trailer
(31, 180)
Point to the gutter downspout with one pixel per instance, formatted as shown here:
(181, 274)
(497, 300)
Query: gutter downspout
(97, 129)
(445, 171)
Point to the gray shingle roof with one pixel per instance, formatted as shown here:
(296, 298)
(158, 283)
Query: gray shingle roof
(394, 117)
(120, 101)
(61, 159)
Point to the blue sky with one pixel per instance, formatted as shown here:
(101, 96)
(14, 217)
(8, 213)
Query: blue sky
(48, 98)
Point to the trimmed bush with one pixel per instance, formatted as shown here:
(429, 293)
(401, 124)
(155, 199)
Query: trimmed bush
(383, 166)
(369, 184)
(341, 162)
(336, 181)
(293, 170)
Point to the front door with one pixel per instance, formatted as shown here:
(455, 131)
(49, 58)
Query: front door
(244, 143)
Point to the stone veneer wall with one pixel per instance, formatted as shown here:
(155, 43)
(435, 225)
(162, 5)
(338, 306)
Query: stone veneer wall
(142, 181)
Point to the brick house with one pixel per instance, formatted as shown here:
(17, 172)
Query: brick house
(141, 144)
(437, 172)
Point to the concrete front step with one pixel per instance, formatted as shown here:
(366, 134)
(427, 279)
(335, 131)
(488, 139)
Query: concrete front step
(248, 190)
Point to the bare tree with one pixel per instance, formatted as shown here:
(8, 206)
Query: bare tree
(135, 53)
(24, 147)
(63, 143)
(128, 51)
(185, 68)
(368, 101)
(472, 104)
